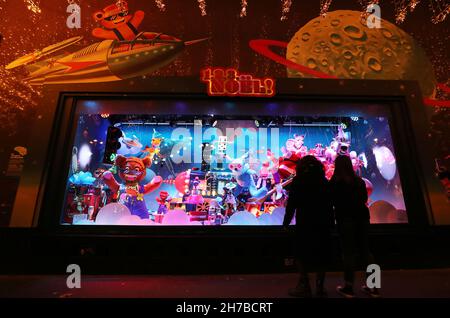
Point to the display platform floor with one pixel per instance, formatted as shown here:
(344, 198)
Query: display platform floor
(395, 283)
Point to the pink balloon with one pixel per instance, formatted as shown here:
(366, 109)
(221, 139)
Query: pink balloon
(180, 181)
(176, 217)
(111, 213)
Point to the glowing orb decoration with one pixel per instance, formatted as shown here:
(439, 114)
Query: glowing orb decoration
(341, 44)
(180, 181)
(84, 156)
(385, 162)
(176, 217)
(384, 212)
(111, 214)
(243, 218)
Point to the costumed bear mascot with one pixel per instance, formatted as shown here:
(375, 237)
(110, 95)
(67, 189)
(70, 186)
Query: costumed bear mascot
(132, 170)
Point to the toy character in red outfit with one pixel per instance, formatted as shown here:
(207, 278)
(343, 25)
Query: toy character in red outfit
(163, 201)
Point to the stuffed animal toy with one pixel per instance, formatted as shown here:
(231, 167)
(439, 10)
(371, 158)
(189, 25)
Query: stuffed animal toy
(131, 171)
(296, 146)
(264, 174)
(117, 22)
(245, 176)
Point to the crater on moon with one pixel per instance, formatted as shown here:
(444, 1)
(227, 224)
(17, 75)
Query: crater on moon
(341, 44)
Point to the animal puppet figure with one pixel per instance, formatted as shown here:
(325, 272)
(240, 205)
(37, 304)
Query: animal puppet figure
(264, 174)
(117, 22)
(276, 174)
(163, 201)
(340, 145)
(245, 176)
(319, 152)
(132, 170)
(296, 146)
(215, 206)
(280, 200)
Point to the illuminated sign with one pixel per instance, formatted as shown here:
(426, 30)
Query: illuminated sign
(229, 82)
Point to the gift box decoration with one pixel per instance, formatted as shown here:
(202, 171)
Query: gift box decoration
(199, 216)
(82, 199)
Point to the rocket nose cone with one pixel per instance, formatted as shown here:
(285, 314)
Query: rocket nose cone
(142, 60)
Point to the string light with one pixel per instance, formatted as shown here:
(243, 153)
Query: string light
(243, 8)
(15, 97)
(202, 7)
(401, 9)
(324, 6)
(413, 4)
(161, 5)
(33, 6)
(439, 9)
(285, 8)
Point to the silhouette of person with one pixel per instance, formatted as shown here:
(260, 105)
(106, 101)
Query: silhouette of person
(349, 196)
(310, 200)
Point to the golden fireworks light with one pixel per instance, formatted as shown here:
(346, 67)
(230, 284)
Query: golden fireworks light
(285, 8)
(202, 7)
(243, 8)
(161, 5)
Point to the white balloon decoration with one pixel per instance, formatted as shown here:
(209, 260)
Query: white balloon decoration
(385, 162)
(111, 214)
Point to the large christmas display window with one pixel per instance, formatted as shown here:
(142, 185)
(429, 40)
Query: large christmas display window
(216, 170)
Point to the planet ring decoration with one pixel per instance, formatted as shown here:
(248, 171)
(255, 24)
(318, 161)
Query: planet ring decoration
(262, 46)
